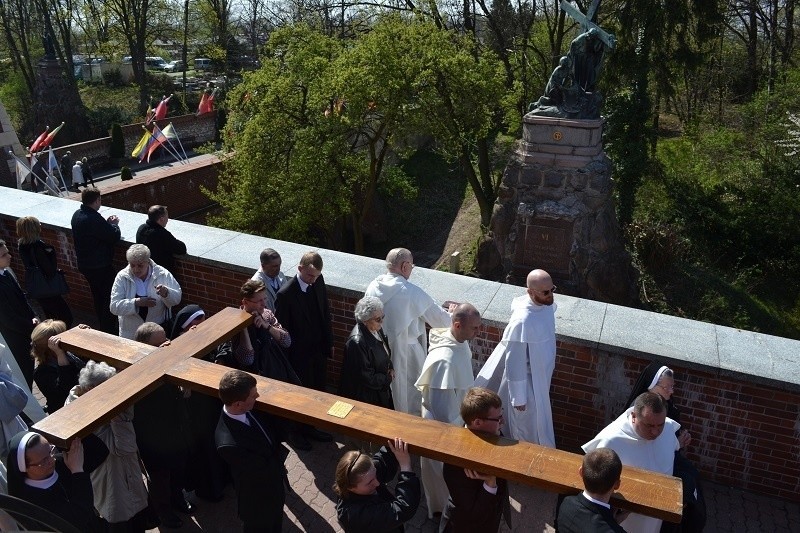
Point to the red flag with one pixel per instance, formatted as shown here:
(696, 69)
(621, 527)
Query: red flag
(158, 139)
(161, 109)
(202, 106)
(39, 140)
(50, 137)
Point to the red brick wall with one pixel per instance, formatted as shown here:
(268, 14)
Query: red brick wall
(744, 435)
(179, 187)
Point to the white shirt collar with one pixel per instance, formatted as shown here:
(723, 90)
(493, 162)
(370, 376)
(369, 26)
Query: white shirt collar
(598, 502)
(303, 285)
(241, 418)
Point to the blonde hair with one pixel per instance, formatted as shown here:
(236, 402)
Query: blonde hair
(40, 335)
(29, 230)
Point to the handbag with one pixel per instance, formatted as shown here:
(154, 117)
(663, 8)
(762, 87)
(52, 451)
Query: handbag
(40, 286)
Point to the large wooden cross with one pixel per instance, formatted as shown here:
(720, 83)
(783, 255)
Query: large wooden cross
(147, 367)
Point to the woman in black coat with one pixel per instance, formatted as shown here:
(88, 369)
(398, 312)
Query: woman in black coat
(365, 504)
(36, 254)
(367, 370)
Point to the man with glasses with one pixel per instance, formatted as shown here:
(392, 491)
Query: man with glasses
(445, 379)
(522, 364)
(477, 501)
(407, 308)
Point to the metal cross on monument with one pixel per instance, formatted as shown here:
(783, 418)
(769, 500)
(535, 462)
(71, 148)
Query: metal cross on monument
(144, 367)
(571, 9)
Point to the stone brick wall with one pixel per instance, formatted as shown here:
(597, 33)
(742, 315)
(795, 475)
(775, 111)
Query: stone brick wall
(745, 434)
(179, 187)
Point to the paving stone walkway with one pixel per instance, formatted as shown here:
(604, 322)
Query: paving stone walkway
(312, 506)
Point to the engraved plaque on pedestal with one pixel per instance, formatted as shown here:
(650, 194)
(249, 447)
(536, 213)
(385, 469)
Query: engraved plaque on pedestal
(544, 244)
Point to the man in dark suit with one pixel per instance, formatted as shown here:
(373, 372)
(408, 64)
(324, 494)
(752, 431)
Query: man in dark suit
(17, 319)
(590, 512)
(251, 445)
(302, 308)
(94, 238)
(477, 501)
(155, 235)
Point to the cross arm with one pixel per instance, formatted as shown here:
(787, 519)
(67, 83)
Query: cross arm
(99, 405)
(550, 469)
(570, 9)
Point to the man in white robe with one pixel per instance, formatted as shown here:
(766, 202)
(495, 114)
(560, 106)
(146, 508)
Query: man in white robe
(643, 436)
(444, 381)
(407, 309)
(521, 366)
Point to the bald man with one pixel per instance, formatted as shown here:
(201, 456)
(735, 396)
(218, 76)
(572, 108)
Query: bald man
(407, 308)
(521, 366)
(444, 381)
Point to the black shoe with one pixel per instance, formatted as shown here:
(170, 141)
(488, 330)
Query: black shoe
(299, 442)
(315, 434)
(170, 520)
(183, 506)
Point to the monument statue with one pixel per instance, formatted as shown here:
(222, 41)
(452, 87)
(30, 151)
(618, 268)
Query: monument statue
(572, 91)
(555, 204)
(49, 47)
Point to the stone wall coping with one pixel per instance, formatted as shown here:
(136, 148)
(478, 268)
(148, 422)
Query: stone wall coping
(728, 352)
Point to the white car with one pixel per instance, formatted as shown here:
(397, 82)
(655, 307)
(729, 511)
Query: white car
(175, 66)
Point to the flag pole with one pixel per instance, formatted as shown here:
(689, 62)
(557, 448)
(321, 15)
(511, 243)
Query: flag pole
(179, 141)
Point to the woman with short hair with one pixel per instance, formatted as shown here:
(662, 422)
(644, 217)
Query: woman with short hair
(119, 492)
(143, 292)
(367, 371)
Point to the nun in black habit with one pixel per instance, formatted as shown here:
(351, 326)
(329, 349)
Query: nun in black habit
(59, 485)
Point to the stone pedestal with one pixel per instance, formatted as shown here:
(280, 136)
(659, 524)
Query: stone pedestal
(57, 100)
(555, 211)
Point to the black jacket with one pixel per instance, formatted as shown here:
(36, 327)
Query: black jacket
(579, 515)
(94, 238)
(381, 512)
(163, 244)
(256, 466)
(365, 370)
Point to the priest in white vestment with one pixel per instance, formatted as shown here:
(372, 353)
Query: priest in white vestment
(406, 308)
(521, 366)
(643, 436)
(444, 381)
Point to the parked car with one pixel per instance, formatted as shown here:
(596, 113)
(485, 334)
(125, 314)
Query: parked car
(175, 66)
(155, 63)
(202, 63)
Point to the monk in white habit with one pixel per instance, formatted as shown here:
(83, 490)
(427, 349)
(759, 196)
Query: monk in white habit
(445, 379)
(643, 436)
(521, 366)
(407, 309)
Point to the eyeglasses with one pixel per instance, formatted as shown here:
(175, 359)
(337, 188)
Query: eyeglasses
(547, 292)
(670, 388)
(378, 319)
(51, 455)
(498, 419)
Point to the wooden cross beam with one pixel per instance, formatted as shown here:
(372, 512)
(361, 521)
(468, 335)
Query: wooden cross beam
(549, 469)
